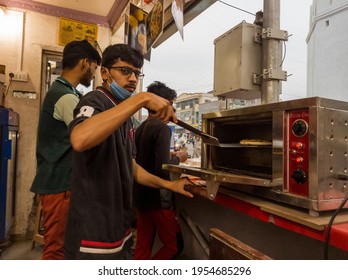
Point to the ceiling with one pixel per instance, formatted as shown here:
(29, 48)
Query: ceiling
(108, 13)
(100, 8)
(102, 12)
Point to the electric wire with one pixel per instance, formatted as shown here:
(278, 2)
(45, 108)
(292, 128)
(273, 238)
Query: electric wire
(8, 86)
(328, 230)
(284, 55)
(284, 51)
(98, 48)
(5, 93)
(201, 76)
(236, 8)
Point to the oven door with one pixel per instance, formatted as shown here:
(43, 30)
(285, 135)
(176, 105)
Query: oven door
(213, 178)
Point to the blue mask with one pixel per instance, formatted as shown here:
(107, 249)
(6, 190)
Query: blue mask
(120, 92)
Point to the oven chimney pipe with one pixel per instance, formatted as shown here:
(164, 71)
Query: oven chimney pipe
(271, 52)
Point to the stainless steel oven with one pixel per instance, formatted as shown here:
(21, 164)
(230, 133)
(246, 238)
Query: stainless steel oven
(293, 152)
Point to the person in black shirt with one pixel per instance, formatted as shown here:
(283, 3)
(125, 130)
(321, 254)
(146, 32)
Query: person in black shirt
(101, 134)
(156, 213)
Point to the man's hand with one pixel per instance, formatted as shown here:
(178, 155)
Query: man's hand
(182, 155)
(178, 186)
(159, 107)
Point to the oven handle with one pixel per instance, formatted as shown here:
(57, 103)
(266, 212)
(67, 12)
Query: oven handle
(196, 190)
(340, 176)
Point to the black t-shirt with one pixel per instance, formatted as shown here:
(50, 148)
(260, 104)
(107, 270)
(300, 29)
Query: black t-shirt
(102, 182)
(152, 139)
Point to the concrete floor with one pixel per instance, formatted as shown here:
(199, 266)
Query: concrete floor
(22, 250)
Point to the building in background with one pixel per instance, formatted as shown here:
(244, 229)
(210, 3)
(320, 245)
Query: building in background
(327, 52)
(191, 106)
(187, 108)
(225, 104)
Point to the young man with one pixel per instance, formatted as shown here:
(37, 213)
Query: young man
(155, 207)
(53, 151)
(99, 224)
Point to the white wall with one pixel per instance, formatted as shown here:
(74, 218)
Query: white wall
(327, 50)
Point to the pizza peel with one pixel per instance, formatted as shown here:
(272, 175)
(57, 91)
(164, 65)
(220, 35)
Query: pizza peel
(208, 139)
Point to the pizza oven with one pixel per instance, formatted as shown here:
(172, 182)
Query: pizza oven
(293, 152)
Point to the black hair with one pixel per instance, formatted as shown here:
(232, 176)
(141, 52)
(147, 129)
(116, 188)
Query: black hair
(76, 50)
(123, 52)
(162, 90)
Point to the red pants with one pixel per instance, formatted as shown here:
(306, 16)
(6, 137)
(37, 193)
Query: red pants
(165, 222)
(55, 209)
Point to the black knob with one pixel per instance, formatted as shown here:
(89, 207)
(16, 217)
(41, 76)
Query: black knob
(299, 128)
(299, 176)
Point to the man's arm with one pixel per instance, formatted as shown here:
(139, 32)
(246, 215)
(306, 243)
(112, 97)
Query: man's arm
(94, 130)
(144, 178)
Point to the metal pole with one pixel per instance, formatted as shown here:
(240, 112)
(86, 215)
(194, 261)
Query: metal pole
(271, 52)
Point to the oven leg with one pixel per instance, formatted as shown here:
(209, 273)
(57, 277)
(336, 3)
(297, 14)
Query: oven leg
(175, 175)
(212, 187)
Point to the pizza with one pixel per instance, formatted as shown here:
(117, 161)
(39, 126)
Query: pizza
(155, 25)
(255, 142)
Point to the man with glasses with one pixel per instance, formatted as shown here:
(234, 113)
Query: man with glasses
(102, 136)
(53, 151)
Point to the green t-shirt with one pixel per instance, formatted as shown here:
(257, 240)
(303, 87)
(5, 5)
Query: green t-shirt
(53, 150)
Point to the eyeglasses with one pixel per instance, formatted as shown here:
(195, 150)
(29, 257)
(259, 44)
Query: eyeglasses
(127, 71)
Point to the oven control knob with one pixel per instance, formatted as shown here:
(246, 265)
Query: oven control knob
(299, 128)
(298, 145)
(299, 176)
(299, 159)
